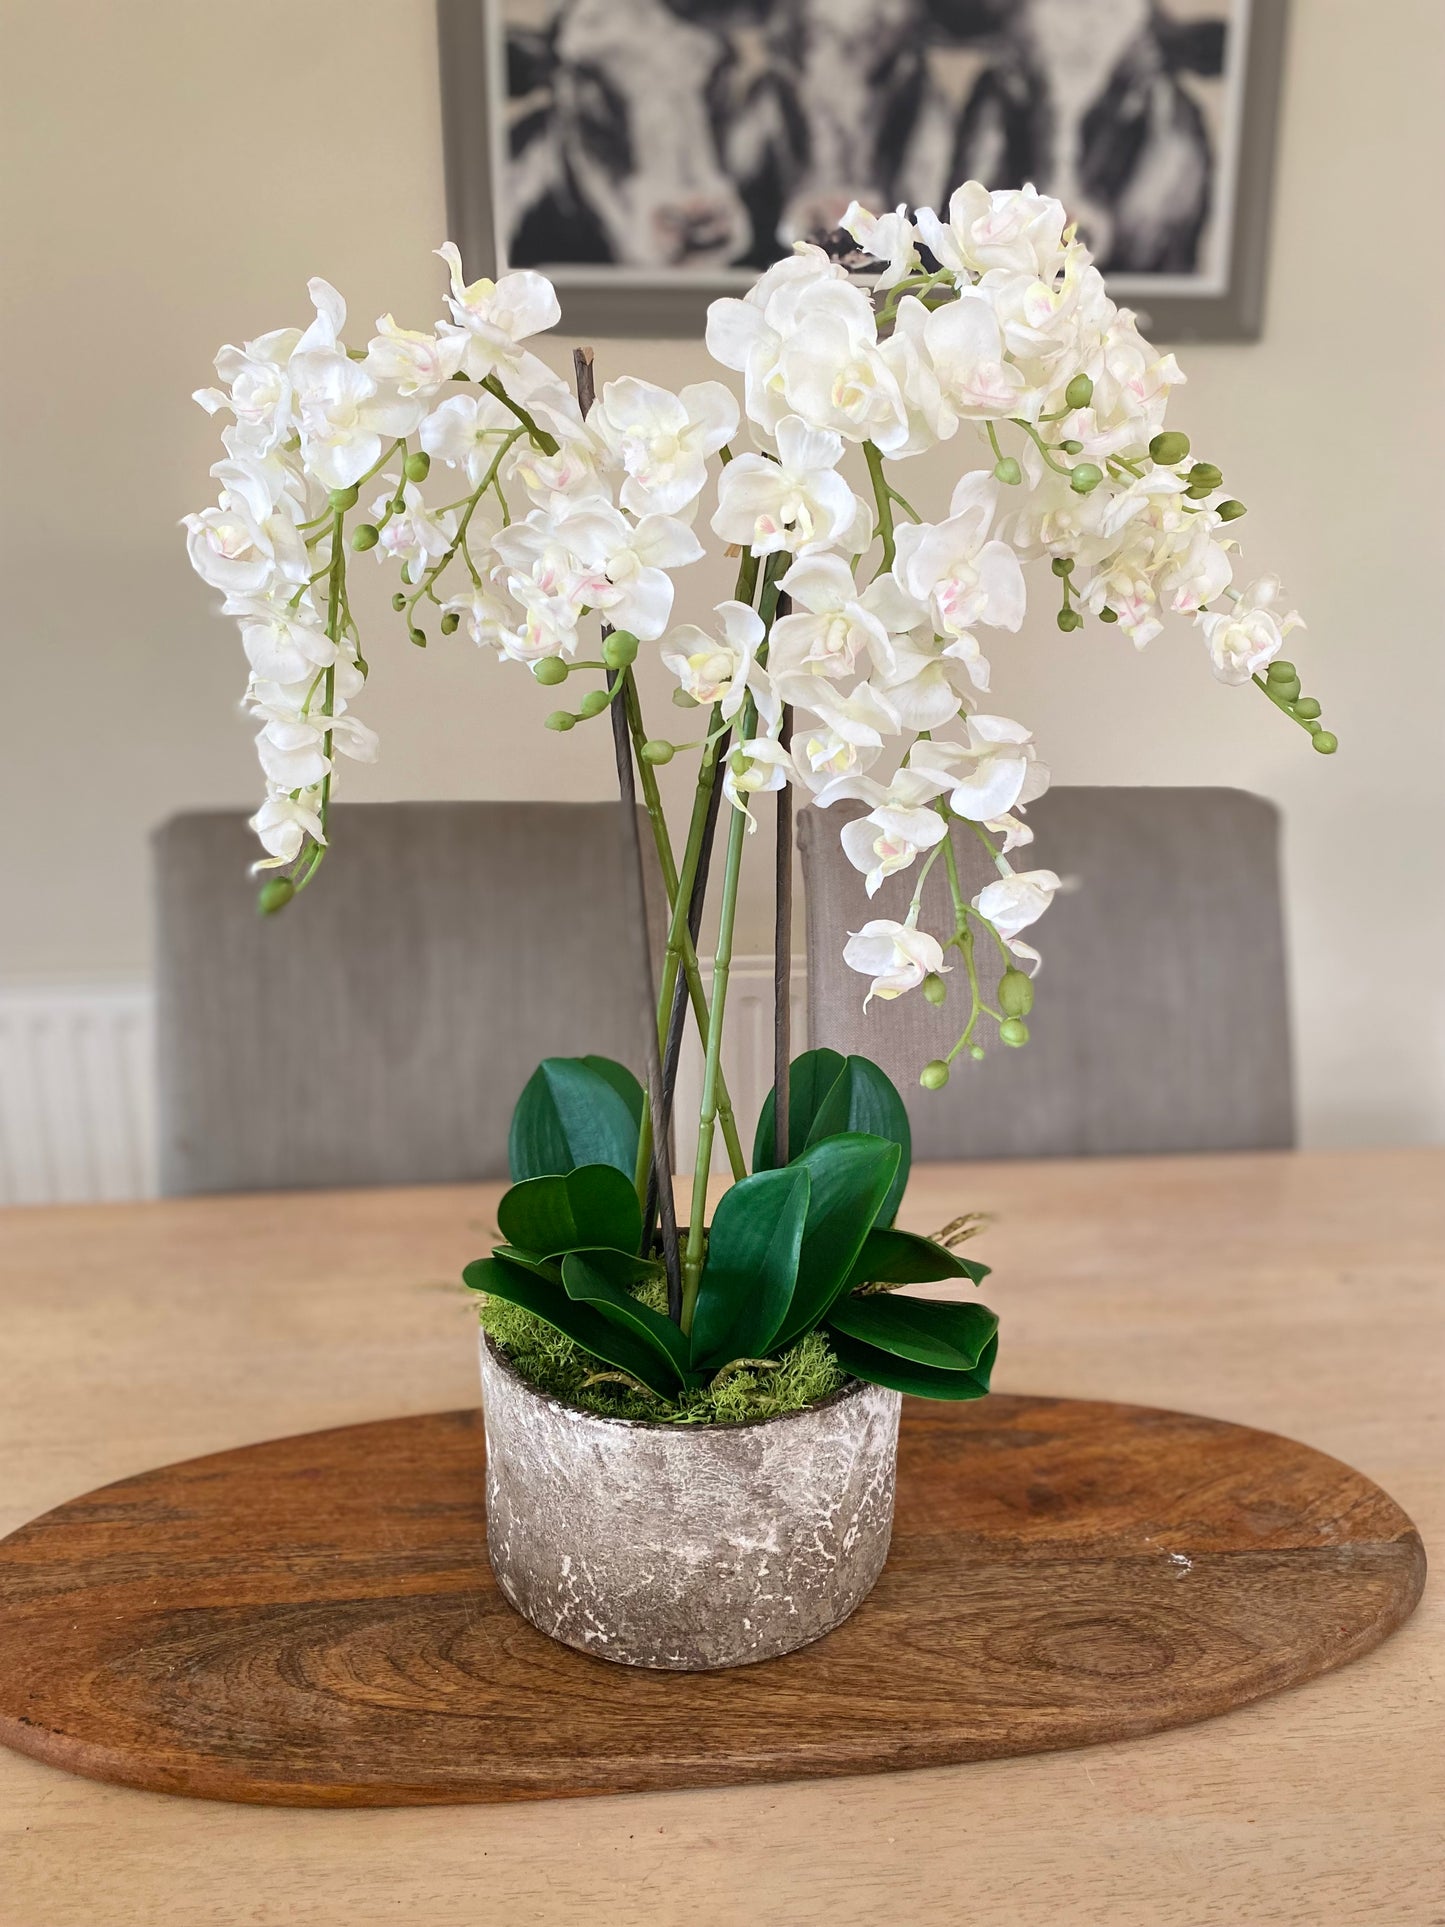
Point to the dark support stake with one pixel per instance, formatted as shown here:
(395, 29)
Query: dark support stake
(783, 958)
(661, 1176)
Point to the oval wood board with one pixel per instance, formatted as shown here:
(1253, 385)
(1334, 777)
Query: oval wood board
(312, 1622)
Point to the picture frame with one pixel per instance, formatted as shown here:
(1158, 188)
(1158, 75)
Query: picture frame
(1220, 298)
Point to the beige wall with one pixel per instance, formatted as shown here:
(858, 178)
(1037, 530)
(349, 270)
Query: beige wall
(173, 171)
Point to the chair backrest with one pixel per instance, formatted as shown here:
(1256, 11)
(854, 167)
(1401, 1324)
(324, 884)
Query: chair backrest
(1161, 1020)
(379, 1029)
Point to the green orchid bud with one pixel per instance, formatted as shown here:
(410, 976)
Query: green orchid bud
(450, 623)
(934, 1076)
(365, 536)
(1062, 565)
(934, 988)
(1015, 994)
(550, 670)
(1079, 393)
(681, 700)
(1281, 671)
(1071, 447)
(1085, 478)
(1069, 620)
(1306, 709)
(274, 894)
(418, 637)
(1169, 448)
(1315, 728)
(1007, 470)
(417, 466)
(1197, 491)
(398, 602)
(1285, 692)
(342, 499)
(1204, 475)
(561, 720)
(655, 750)
(1106, 614)
(593, 703)
(1326, 742)
(1014, 1032)
(977, 1053)
(619, 649)
(1231, 510)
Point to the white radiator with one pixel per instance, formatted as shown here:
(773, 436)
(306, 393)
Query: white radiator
(77, 1084)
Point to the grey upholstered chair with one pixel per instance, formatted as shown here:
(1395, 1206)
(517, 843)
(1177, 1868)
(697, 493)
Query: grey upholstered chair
(379, 1030)
(1161, 1020)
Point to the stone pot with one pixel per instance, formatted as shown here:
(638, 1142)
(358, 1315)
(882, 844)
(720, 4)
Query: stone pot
(686, 1547)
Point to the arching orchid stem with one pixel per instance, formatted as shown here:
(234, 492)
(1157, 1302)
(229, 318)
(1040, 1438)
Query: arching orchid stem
(547, 443)
(883, 497)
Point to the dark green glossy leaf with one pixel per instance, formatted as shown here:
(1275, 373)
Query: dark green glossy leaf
(571, 1113)
(903, 1375)
(810, 1078)
(595, 1205)
(902, 1258)
(622, 1081)
(615, 1344)
(929, 1331)
(851, 1176)
(752, 1267)
(604, 1279)
(548, 1268)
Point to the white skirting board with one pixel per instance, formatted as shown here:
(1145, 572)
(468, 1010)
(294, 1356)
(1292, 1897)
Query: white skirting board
(77, 1083)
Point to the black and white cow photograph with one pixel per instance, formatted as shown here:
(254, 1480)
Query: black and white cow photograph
(670, 143)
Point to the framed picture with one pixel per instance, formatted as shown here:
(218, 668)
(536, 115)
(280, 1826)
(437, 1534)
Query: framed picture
(650, 155)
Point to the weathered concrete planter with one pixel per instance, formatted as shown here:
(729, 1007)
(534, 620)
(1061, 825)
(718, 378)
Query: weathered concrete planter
(685, 1547)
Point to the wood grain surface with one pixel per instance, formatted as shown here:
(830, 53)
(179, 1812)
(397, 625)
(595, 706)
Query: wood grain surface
(312, 1622)
(1301, 1293)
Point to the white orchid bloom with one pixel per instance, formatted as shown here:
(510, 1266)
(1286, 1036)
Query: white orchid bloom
(540, 570)
(465, 431)
(282, 644)
(345, 416)
(416, 362)
(901, 821)
(964, 344)
(798, 503)
(889, 238)
(482, 616)
(722, 671)
(1014, 834)
(996, 771)
(1243, 638)
(895, 955)
(283, 823)
(931, 681)
(962, 577)
(414, 536)
(257, 391)
(1198, 571)
(932, 417)
(243, 555)
(571, 477)
(863, 719)
(748, 335)
(755, 767)
(633, 558)
(833, 373)
(493, 318)
(662, 441)
(1015, 902)
(832, 628)
(1014, 228)
(821, 753)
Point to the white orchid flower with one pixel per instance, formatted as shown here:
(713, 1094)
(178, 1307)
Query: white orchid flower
(832, 627)
(889, 238)
(493, 318)
(415, 536)
(748, 334)
(931, 681)
(963, 578)
(483, 616)
(283, 823)
(243, 555)
(832, 372)
(1014, 228)
(895, 955)
(541, 571)
(465, 431)
(1198, 571)
(755, 767)
(1015, 902)
(662, 441)
(863, 718)
(282, 644)
(900, 822)
(798, 503)
(723, 671)
(634, 557)
(345, 416)
(821, 753)
(932, 417)
(997, 770)
(964, 344)
(416, 362)
(1243, 638)
(257, 391)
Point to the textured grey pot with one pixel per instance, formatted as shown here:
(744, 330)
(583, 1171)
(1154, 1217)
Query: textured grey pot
(686, 1547)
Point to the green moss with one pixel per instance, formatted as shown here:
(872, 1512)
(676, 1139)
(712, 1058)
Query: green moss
(546, 1358)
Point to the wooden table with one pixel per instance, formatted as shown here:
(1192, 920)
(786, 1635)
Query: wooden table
(1302, 1293)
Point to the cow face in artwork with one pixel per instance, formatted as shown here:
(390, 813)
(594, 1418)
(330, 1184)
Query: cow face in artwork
(633, 86)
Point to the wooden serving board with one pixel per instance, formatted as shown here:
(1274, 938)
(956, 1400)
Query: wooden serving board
(312, 1622)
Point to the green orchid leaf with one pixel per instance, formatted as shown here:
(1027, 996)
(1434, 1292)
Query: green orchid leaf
(594, 1205)
(752, 1267)
(571, 1113)
(928, 1331)
(904, 1375)
(547, 1268)
(851, 1176)
(828, 1096)
(587, 1324)
(810, 1078)
(622, 1081)
(903, 1258)
(603, 1279)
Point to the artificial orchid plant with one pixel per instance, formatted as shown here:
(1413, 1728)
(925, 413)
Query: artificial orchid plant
(850, 663)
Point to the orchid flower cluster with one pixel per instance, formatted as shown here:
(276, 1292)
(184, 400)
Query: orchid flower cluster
(853, 660)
